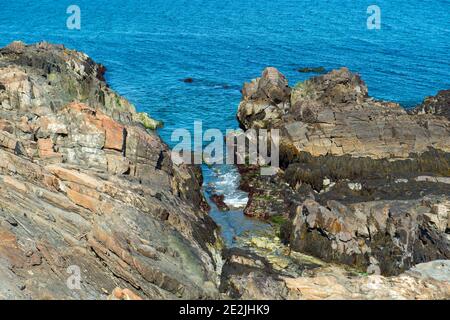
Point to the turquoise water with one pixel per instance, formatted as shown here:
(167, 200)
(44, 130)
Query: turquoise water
(149, 46)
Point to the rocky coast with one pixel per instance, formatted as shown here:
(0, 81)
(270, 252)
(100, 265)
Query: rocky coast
(362, 183)
(93, 207)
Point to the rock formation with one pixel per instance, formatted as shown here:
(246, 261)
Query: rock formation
(437, 105)
(88, 188)
(333, 115)
(368, 182)
(251, 277)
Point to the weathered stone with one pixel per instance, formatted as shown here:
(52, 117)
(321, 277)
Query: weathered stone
(335, 116)
(123, 294)
(366, 180)
(437, 105)
(86, 185)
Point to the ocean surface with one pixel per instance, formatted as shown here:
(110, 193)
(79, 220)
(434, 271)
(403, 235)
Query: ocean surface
(149, 46)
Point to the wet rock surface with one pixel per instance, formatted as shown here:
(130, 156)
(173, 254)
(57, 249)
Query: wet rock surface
(219, 201)
(87, 185)
(363, 183)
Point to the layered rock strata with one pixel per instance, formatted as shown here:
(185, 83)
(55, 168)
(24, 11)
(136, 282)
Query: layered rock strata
(90, 200)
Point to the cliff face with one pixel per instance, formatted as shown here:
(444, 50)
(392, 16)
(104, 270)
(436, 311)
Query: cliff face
(85, 182)
(368, 182)
(437, 105)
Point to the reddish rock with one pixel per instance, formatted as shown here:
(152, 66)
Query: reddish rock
(45, 147)
(83, 200)
(123, 294)
(114, 133)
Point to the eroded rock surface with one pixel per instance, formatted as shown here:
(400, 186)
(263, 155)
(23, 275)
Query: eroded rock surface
(362, 182)
(333, 115)
(86, 186)
(437, 105)
(249, 277)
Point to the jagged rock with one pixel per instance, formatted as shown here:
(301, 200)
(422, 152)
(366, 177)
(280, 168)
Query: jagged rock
(123, 294)
(396, 234)
(438, 105)
(333, 115)
(364, 181)
(218, 199)
(249, 276)
(90, 187)
(268, 93)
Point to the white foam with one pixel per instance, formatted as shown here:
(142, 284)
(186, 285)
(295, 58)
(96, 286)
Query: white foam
(227, 183)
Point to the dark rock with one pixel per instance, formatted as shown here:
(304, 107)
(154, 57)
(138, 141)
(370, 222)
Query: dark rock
(312, 70)
(218, 199)
(438, 105)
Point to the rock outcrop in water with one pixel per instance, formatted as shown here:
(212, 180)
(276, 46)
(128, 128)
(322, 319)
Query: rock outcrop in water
(369, 183)
(86, 186)
(437, 105)
(333, 115)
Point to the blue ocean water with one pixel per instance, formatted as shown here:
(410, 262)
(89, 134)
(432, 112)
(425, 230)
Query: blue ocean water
(149, 46)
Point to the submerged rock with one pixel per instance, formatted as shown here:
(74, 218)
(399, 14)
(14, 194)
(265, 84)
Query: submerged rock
(188, 80)
(87, 191)
(312, 70)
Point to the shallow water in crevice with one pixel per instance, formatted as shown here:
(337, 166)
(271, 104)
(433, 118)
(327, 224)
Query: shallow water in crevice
(234, 225)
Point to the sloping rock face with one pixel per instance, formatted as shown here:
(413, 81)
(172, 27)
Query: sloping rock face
(87, 189)
(368, 181)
